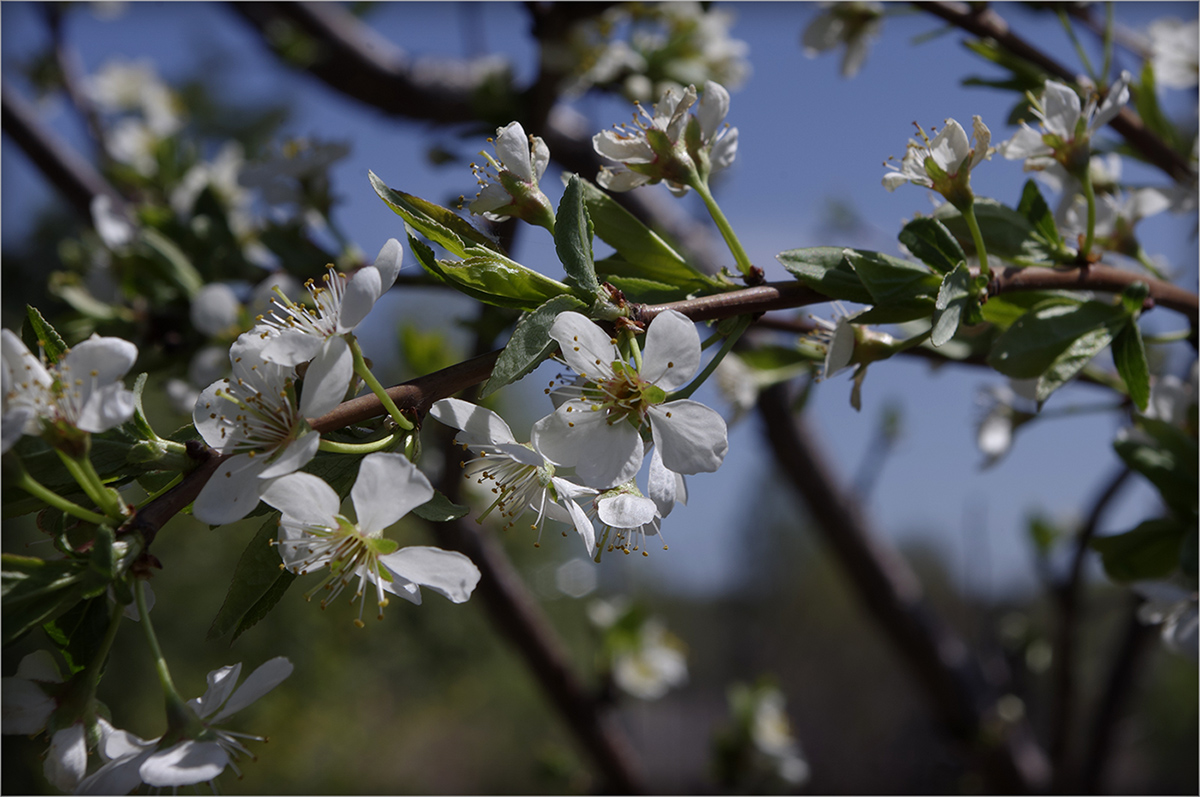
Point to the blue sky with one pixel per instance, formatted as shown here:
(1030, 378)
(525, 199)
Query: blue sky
(807, 138)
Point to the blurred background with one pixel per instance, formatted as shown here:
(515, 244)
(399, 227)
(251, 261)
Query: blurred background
(432, 699)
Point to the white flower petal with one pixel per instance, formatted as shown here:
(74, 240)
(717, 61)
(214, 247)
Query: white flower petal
(446, 572)
(714, 106)
(362, 291)
(221, 682)
(478, 425)
(588, 349)
(327, 378)
(388, 488)
(66, 760)
(40, 666)
(618, 178)
(291, 458)
(303, 498)
(215, 309)
(626, 511)
(1061, 109)
(389, 261)
(665, 487)
(691, 436)
(672, 351)
(950, 147)
(266, 677)
(232, 491)
(24, 706)
(106, 408)
(290, 347)
(602, 454)
(186, 763)
(512, 150)
(622, 147)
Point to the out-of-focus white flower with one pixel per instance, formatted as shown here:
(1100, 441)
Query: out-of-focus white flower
(1175, 608)
(1175, 52)
(1067, 127)
(313, 534)
(654, 666)
(204, 752)
(1174, 400)
(114, 229)
(772, 735)
(121, 86)
(999, 423)
(853, 24)
(82, 390)
(293, 173)
(508, 185)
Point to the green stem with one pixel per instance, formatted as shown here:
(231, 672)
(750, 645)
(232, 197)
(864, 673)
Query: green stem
(95, 667)
(1089, 193)
(169, 485)
(1167, 337)
(82, 471)
(1109, 30)
(160, 662)
(382, 444)
(726, 347)
(360, 368)
(635, 351)
(43, 493)
(968, 214)
(1148, 264)
(731, 240)
(1083, 56)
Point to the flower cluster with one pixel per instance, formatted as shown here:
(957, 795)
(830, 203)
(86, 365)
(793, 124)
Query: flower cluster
(673, 145)
(583, 459)
(943, 164)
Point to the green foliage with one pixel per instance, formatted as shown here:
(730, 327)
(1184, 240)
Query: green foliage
(1129, 355)
(1150, 551)
(530, 343)
(441, 225)
(900, 289)
(1007, 233)
(36, 591)
(490, 278)
(257, 585)
(440, 509)
(643, 253)
(38, 334)
(929, 240)
(573, 241)
(1055, 340)
(79, 631)
(955, 297)
(826, 270)
(1167, 456)
(1034, 208)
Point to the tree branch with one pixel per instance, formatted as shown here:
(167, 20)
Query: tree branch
(936, 656)
(984, 22)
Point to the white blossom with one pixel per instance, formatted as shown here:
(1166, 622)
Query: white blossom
(523, 480)
(654, 666)
(1067, 126)
(944, 163)
(299, 334)
(656, 147)
(508, 184)
(82, 390)
(1175, 52)
(253, 417)
(199, 757)
(852, 24)
(596, 430)
(313, 534)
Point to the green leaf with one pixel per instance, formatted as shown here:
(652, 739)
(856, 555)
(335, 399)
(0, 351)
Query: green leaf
(139, 422)
(254, 576)
(1167, 456)
(647, 254)
(900, 289)
(263, 606)
(643, 291)
(79, 632)
(1003, 310)
(1054, 341)
(573, 241)
(174, 265)
(826, 270)
(36, 591)
(953, 298)
(440, 225)
(440, 509)
(1129, 354)
(40, 334)
(1034, 208)
(1007, 233)
(1150, 551)
(929, 240)
(530, 343)
(495, 280)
